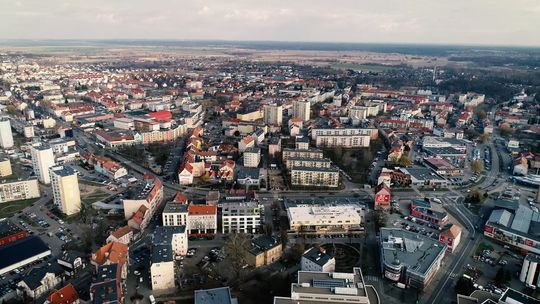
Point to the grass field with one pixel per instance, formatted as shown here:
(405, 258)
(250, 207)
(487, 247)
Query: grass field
(9, 209)
(94, 197)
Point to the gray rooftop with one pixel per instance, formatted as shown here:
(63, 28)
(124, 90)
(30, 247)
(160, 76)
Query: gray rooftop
(163, 235)
(63, 171)
(172, 207)
(162, 253)
(220, 295)
(412, 250)
(317, 256)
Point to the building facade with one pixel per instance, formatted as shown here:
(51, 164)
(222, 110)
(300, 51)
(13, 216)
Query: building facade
(241, 217)
(19, 190)
(65, 188)
(42, 160)
(315, 177)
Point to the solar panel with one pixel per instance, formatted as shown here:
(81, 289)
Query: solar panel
(328, 283)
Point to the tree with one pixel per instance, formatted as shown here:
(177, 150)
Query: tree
(268, 229)
(405, 161)
(380, 218)
(464, 286)
(11, 109)
(476, 196)
(506, 130)
(499, 277)
(484, 138)
(236, 250)
(477, 166)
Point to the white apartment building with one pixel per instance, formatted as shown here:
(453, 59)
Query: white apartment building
(308, 153)
(162, 274)
(316, 259)
(42, 160)
(530, 271)
(175, 214)
(174, 236)
(301, 109)
(6, 136)
(308, 162)
(315, 177)
(324, 219)
(273, 114)
(241, 217)
(252, 157)
(5, 166)
(342, 137)
(202, 219)
(19, 190)
(471, 99)
(65, 187)
(29, 131)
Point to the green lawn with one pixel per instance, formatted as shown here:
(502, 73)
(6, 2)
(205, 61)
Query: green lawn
(10, 208)
(94, 197)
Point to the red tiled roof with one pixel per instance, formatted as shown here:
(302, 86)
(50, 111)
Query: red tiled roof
(65, 295)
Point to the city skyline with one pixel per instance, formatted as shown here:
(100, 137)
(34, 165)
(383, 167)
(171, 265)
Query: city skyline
(403, 22)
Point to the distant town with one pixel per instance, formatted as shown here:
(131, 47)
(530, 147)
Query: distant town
(215, 173)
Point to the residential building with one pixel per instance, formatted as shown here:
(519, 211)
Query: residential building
(162, 274)
(64, 295)
(106, 288)
(308, 162)
(72, 261)
(19, 190)
(10, 232)
(451, 236)
(315, 177)
(316, 259)
(65, 188)
(202, 219)
(301, 109)
(343, 137)
(42, 160)
(264, 250)
(22, 252)
(325, 219)
(175, 214)
(241, 217)
(471, 99)
(140, 207)
(252, 157)
(327, 287)
(112, 253)
(273, 114)
(530, 271)
(274, 146)
(39, 281)
(122, 235)
(410, 258)
(6, 135)
(29, 131)
(220, 295)
(309, 153)
(248, 177)
(5, 166)
(173, 236)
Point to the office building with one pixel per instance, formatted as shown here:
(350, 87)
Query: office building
(410, 258)
(301, 109)
(325, 219)
(42, 160)
(328, 288)
(316, 259)
(202, 220)
(6, 135)
(530, 271)
(273, 114)
(241, 217)
(65, 187)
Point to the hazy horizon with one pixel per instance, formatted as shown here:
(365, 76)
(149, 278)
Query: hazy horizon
(459, 22)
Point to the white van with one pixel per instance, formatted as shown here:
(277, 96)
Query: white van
(152, 299)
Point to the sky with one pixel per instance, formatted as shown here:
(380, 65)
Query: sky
(477, 22)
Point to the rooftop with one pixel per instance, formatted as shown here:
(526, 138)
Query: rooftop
(163, 235)
(173, 207)
(21, 250)
(323, 283)
(317, 255)
(221, 295)
(409, 249)
(162, 253)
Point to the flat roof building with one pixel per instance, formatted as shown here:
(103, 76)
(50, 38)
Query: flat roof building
(22, 252)
(221, 295)
(410, 258)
